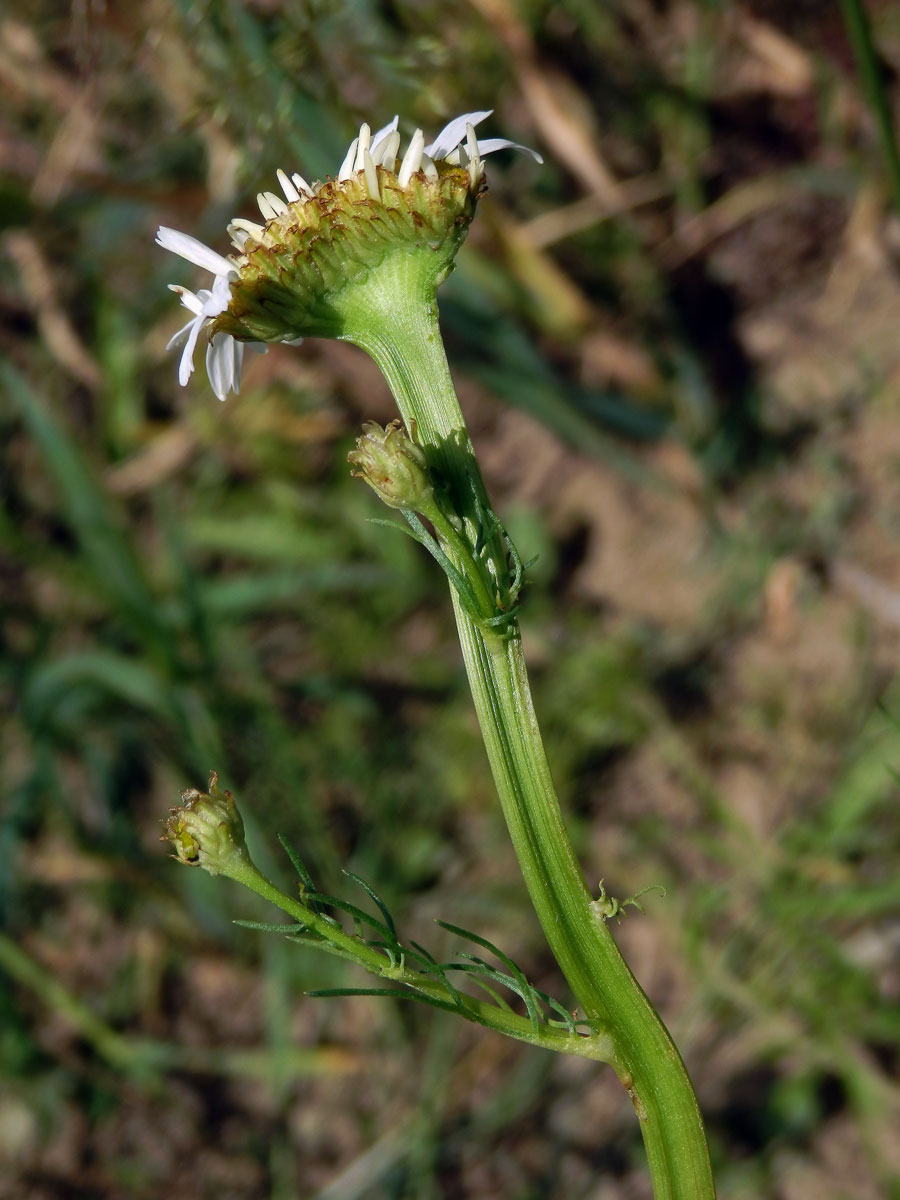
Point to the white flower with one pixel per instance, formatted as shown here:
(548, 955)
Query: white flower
(447, 146)
(224, 355)
(368, 153)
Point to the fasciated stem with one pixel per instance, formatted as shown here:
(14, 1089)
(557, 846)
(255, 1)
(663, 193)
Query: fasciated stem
(410, 353)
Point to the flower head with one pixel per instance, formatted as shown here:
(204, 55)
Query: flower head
(224, 356)
(393, 466)
(207, 831)
(293, 276)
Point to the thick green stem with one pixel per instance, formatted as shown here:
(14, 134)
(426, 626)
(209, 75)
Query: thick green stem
(574, 924)
(405, 342)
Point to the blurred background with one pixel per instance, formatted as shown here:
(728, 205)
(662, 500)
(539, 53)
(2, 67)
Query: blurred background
(677, 345)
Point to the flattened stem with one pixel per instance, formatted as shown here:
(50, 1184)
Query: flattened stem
(406, 344)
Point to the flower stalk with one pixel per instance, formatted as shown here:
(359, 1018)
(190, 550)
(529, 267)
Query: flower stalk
(207, 831)
(409, 350)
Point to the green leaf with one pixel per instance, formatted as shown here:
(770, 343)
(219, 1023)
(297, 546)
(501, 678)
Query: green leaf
(376, 899)
(526, 993)
(263, 927)
(358, 914)
(398, 993)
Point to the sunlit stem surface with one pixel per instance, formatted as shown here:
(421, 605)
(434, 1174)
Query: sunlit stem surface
(405, 341)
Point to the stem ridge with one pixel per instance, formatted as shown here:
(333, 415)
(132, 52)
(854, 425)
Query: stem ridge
(408, 349)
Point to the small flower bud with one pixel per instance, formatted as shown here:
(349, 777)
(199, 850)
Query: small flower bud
(393, 466)
(207, 831)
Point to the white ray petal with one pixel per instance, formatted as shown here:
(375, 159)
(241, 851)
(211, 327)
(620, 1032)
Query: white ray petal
(412, 159)
(186, 366)
(291, 193)
(476, 170)
(489, 145)
(257, 232)
(365, 140)
(177, 338)
(349, 159)
(237, 370)
(384, 151)
(471, 142)
(217, 300)
(224, 356)
(195, 252)
(431, 171)
(187, 297)
(276, 202)
(265, 207)
(389, 128)
(371, 177)
(453, 133)
(301, 183)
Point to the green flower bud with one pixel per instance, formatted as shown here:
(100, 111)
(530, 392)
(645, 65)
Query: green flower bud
(393, 466)
(207, 831)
